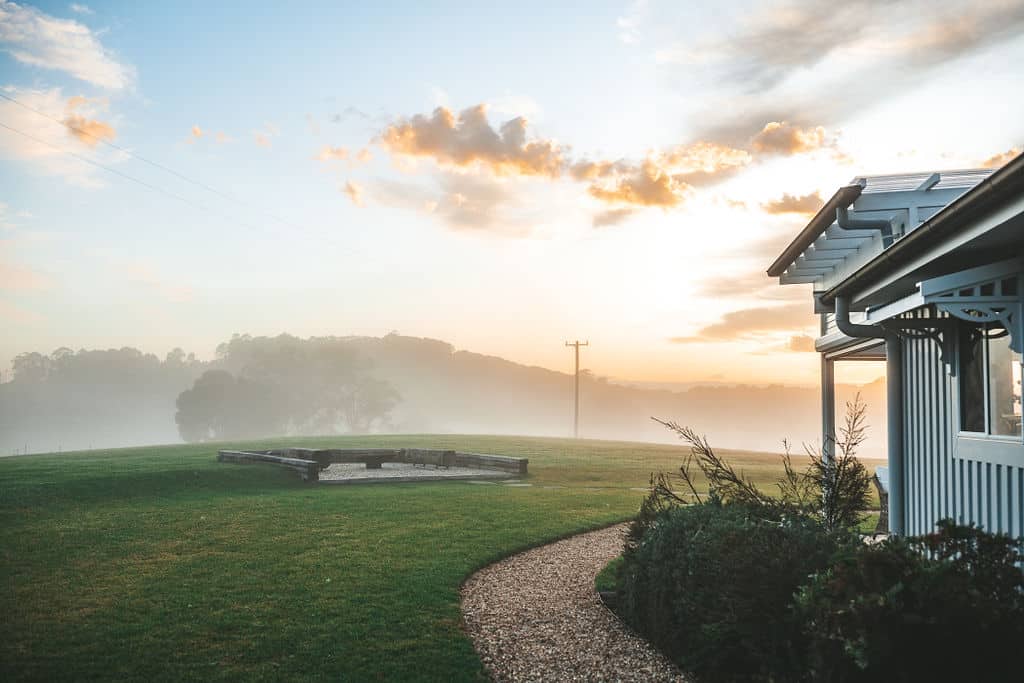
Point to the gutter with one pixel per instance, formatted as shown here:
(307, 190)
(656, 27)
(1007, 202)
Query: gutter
(843, 197)
(1007, 182)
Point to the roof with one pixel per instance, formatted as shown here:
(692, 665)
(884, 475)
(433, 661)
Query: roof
(907, 182)
(881, 212)
(984, 224)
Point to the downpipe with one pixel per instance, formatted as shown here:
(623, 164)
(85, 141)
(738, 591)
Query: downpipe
(894, 406)
(883, 226)
(852, 329)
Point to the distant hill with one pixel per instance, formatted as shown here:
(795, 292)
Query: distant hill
(125, 397)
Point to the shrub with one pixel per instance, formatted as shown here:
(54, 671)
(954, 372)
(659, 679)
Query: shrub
(947, 606)
(834, 489)
(712, 586)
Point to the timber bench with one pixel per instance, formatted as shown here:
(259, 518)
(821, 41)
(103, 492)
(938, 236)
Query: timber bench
(309, 462)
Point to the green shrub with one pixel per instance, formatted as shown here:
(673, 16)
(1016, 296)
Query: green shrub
(947, 606)
(712, 586)
(835, 489)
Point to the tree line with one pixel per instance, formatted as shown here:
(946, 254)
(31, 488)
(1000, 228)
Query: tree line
(284, 385)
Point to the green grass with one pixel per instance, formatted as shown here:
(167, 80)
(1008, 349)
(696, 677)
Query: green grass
(161, 563)
(606, 579)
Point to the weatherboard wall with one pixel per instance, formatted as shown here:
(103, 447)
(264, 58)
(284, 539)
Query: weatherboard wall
(984, 486)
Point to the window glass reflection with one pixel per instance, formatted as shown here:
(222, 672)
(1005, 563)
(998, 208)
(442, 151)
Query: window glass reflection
(972, 380)
(1004, 387)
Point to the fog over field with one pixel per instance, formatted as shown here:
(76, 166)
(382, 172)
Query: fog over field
(270, 386)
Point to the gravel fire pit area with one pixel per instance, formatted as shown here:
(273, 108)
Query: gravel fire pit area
(352, 466)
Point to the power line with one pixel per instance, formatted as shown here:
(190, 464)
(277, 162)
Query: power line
(576, 417)
(133, 179)
(154, 164)
(150, 186)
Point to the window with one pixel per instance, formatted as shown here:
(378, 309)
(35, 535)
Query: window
(990, 382)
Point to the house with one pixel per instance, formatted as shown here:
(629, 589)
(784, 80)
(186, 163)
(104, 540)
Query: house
(926, 272)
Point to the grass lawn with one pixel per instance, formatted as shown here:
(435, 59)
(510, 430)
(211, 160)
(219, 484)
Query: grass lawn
(161, 563)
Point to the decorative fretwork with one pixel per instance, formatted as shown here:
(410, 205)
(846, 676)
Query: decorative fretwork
(926, 323)
(988, 297)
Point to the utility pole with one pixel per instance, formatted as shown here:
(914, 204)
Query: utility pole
(576, 417)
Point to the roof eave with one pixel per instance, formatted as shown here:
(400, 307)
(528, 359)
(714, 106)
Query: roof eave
(826, 215)
(1007, 182)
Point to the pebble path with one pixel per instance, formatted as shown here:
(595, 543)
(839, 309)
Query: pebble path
(535, 616)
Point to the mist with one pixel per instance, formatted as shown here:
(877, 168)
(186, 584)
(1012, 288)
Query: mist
(278, 386)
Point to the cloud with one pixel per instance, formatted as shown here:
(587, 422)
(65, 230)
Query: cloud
(819, 61)
(87, 131)
(751, 323)
(742, 285)
(783, 138)
(785, 37)
(364, 155)
(197, 133)
(999, 160)
(328, 153)
(467, 141)
(469, 144)
(630, 22)
(663, 179)
(264, 136)
(45, 141)
(348, 113)
(461, 202)
(354, 192)
(648, 184)
(612, 217)
(801, 343)
(80, 9)
(469, 203)
(788, 203)
(44, 41)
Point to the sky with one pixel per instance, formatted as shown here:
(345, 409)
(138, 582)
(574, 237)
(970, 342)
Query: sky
(504, 178)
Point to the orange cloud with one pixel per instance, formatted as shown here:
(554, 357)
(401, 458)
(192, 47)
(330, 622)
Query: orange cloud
(704, 160)
(364, 155)
(645, 185)
(753, 322)
(663, 179)
(591, 170)
(329, 153)
(354, 192)
(801, 343)
(87, 131)
(806, 204)
(1002, 159)
(468, 140)
(785, 138)
(264, 136)
(612, 217)
(197, 132)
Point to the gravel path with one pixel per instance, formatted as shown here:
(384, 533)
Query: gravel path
(536, 617)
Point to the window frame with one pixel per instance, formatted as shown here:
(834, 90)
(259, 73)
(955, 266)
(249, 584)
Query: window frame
(1001, 449)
